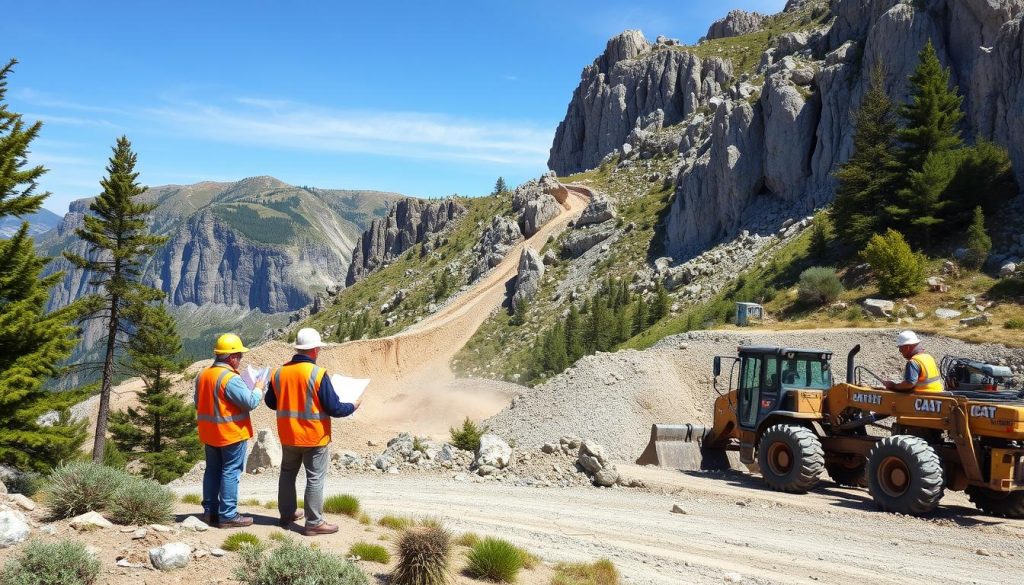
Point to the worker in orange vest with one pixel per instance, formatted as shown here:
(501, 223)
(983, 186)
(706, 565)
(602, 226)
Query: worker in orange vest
(922, 373)
(302, 394)
(223, 402)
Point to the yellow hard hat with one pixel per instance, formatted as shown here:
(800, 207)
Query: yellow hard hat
(229, 343)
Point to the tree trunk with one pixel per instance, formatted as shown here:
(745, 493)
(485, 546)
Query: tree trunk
(108, 377)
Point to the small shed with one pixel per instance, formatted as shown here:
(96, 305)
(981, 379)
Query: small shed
(747, 312)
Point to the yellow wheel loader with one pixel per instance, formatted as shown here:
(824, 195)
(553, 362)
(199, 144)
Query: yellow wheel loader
(789, 421)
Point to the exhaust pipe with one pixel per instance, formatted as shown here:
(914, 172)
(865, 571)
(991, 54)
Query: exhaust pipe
(849, 363)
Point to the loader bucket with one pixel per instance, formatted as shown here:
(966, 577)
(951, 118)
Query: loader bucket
(682, 447)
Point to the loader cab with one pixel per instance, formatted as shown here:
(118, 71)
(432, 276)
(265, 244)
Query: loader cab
(779, 380)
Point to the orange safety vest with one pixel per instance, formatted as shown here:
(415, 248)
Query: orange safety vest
(929, 380)
(301, 421)
(221, 422)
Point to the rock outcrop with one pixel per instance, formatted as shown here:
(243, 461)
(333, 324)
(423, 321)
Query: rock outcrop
(408, 222)
(754, 156)
(495, 243)
(736, 23)
(531, 272)
(598, 210)
(627, 82)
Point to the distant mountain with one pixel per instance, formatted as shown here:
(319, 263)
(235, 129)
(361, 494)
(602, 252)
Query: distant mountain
(39, 222)
(238, 253)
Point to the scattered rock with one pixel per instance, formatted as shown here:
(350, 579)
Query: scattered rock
(218, 552)
(139, 534)
(13, 528)
(549, 448)
(160, 528)
(733, 578)
(170, 556)
(493, 452)
(677, 509)
(975, 320)
(599, 210)
(90, 521)
(1007, 269)
(879, 307)
(126, 564)
(195, 524)
(266, 451)
(201, 554)
(982, 552)
(22, 502)
(947, 314)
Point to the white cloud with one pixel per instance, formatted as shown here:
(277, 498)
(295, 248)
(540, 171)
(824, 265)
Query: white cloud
(294, 125)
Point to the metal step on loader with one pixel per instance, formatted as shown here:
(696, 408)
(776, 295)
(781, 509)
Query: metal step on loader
(787, 420)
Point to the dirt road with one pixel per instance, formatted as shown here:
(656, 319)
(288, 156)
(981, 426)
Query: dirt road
(732, 529)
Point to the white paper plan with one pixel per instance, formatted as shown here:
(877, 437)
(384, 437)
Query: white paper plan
(255, 377)
(348, 389)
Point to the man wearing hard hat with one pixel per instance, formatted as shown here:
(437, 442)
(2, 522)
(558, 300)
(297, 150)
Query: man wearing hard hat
(223, 402)
(304, 398)
(922, 373)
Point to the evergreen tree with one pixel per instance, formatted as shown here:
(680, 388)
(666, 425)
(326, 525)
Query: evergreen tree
(559, 354)
(640, 316)
(820, 235)
(161, 432)
(660, 306)
(573, 335)
(500, 187)
(930, 119)
(921, 204)
(520, 309)
(119, 242)
(868, 180)
(979, 244)
(32, 341)
(623, 324)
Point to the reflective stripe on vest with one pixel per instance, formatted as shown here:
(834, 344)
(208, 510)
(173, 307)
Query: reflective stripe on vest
(929, 379)
(220, 422)
(301, 421)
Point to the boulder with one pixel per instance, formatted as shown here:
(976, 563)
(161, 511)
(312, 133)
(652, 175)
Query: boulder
(599, 210)
(734, 24)
(1007, 269)
(13, 528)
(493, 451)
(947, 314)
(606, 477)
(90, 521)
(22, 502)
(579, 241)
(448, 453)
(792, 42)
(538, 212)
(174, 555)
(595, 454)
(266, 451)
(549, 448)
(975, 321)
(384, 463)
(346, 458)
(531, 271)
(879, 307)
(495, 242)
(195, 524)
(401, 447)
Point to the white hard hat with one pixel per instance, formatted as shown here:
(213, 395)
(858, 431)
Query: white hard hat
(307, 338)
(905, 338)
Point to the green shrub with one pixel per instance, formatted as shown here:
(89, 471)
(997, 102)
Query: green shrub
(602, 572)
(979, 244)
(80, 487)
(342, 504)
(370, 552)
(467, 539)
(819, 285)
(141, 501)
(494, 559)
(1014, 323)
(900, 271)
(237, 540)
(423, 557)
(468, 437)
(26, 484)
(47, 563)
(295, 564)
(394, 522)
(192, 499)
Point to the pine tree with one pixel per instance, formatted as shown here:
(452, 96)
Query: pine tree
(979, 244)
(623, 324)
(499, 186)
(869, 179)
(820, 235)
(573, 335)
(640, 316)
(559, 354)
(660, 306)
(161, 432)
(930, 119)
(32, 341)
(520, 309)
(119, 242)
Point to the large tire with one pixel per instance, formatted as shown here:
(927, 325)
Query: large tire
(905, 475)
(851, 473)
(791, 458)
(1003, 504)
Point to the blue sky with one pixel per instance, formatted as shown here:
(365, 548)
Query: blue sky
(422, 98)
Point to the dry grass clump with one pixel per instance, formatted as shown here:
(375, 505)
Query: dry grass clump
(342, 504)
(424, 555)
(394, 522)
(237, 540)
(494, 559)
(141, 501)
(467, 539)
(195, 499)
(602, 572)
(80, 487)
(294, 563)
(370, 552)
(46, 563)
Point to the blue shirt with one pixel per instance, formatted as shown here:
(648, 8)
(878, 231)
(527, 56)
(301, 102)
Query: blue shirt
(913, 371)
(329, 401)
(236, 391)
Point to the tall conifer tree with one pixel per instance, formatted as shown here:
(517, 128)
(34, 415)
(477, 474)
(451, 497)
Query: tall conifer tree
(32, 342)
(119, 242)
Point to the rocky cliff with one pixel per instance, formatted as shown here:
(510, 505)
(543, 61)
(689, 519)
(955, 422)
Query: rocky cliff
(408, 222)
(39, 222)
(762, 147)
(736, 23)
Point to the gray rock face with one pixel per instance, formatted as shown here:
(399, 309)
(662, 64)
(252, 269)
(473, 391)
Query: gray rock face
(493, 452)
(13, 528)
(409, 222)
(495, 243)
(879, 307)
(581, 240)
(266, 451)
(593, 460)
(531, 271)
(618, 89)
(599, 210)
(736, 23)
(789, 123)
(538, 212)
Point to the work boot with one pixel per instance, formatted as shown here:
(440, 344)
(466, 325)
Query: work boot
(299, 515)
(210, 519)
(238, 521)
(320, 529)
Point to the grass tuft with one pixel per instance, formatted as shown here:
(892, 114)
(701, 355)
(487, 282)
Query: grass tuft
(602, 572)
(43, 563)
(494, 559)
(394, 522)
(467, 539)
(370, 552)
(423, 557)
(365, 519)
(297, 564)
(237, 540)
(278, 536)
(270, 504)
(191, 499)
(141, 501)
(342, 504)
(80, 487)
